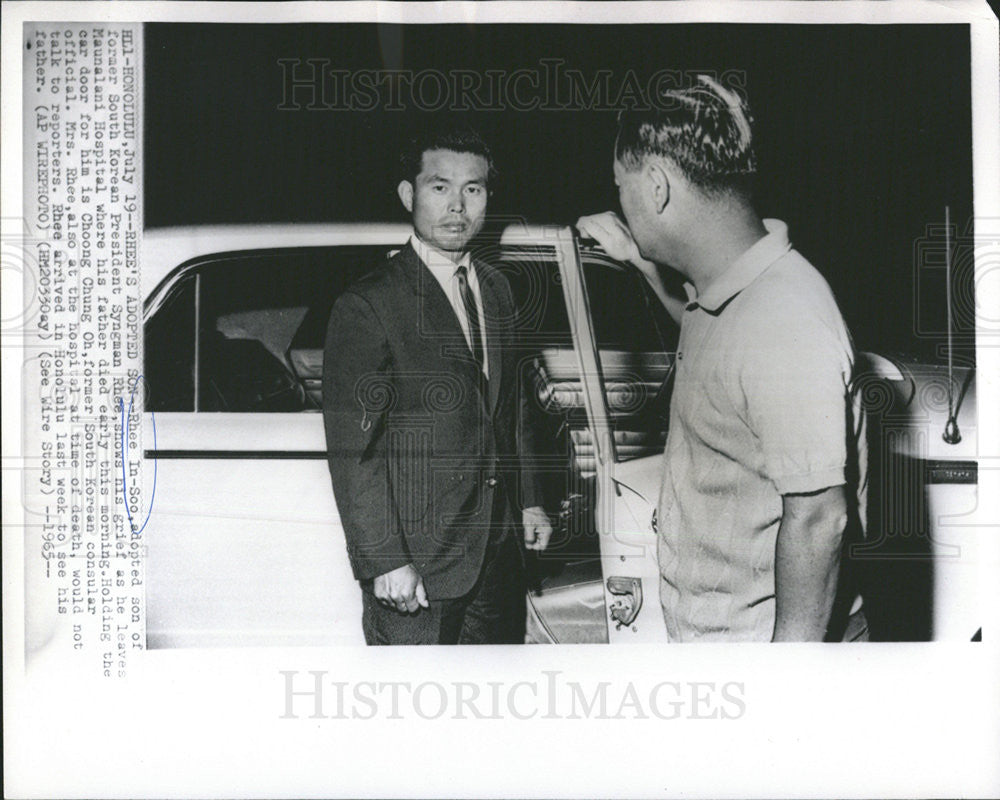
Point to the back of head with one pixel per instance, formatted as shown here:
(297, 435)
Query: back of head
(704, 131)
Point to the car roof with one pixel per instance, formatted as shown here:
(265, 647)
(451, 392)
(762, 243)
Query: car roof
(164, 249)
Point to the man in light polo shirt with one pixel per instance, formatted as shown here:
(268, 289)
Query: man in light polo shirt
(762, 464)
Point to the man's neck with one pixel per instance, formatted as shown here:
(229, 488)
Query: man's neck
(719, 241)
(454, 258)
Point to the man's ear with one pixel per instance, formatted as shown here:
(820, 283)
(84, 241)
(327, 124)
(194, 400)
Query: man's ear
(659, 185)
(405, 192)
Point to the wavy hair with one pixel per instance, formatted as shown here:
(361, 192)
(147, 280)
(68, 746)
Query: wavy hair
(704, 130)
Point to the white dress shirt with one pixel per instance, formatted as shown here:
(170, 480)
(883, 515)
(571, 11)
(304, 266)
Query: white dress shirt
(445, 272)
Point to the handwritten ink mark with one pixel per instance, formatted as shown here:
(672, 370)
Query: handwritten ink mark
(126, 424)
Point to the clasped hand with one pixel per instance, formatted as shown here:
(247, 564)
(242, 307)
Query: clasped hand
(402, 589)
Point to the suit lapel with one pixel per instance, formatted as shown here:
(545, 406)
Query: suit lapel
(435, 314)
(436, 320)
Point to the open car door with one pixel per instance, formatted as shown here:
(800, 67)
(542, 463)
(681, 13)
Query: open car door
(625, 349)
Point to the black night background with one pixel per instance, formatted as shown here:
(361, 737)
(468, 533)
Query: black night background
(863, 136)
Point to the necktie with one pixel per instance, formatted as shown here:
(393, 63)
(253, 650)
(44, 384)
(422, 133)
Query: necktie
(472, 315)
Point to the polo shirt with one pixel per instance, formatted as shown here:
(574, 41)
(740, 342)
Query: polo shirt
(761, 407)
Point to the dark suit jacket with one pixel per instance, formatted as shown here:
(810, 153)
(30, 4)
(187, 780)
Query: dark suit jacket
(417, 451)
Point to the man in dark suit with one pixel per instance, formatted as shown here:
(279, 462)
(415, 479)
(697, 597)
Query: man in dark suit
(423, 406)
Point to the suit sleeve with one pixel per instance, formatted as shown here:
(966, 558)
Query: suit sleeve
(358, 396)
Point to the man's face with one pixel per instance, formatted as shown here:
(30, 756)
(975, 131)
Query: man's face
(448, 202)
(636, 203)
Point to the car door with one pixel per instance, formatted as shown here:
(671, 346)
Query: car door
(625, 348)
(921, 560)
(244, 545)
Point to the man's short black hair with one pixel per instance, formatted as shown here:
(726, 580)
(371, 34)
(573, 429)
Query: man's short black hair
(458, 138)
(705, 131)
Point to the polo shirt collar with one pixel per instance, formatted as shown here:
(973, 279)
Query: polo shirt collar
(744, 270)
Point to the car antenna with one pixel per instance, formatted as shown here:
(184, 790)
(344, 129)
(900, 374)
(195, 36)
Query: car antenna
(951, 433)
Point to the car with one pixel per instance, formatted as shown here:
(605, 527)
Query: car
(244, 545)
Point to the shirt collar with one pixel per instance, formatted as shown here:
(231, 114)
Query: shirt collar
(436, 262)
(744, 270)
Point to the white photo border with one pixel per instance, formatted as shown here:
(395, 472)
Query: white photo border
(850, 721)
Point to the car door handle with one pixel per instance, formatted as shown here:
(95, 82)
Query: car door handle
(625, 609)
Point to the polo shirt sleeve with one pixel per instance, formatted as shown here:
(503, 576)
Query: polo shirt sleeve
(794, 374)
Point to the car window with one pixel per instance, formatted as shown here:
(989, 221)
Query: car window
(257, 343)
(169, 345)
(535, 283)
(636, 341)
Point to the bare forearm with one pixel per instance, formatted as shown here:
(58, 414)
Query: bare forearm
(614, 236)
(807, 562)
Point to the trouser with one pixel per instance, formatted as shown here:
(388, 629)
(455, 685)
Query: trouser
(492, 612)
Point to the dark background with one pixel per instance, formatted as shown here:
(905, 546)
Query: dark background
(863, 135)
